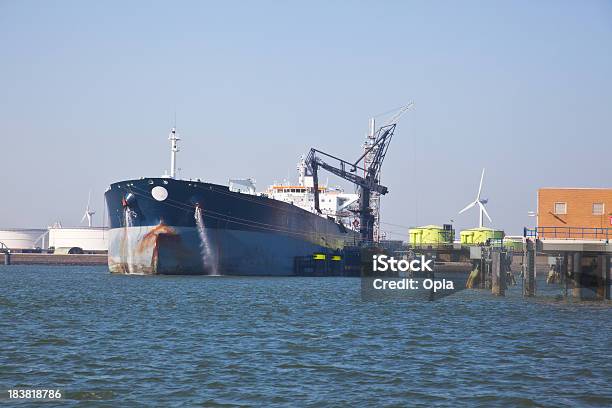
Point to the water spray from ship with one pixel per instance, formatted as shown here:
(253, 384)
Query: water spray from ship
(208, 257)
(128, 222)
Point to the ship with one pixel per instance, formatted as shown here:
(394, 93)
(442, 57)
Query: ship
(171, 226)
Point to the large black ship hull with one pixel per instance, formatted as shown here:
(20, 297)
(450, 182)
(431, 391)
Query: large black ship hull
(189, 227)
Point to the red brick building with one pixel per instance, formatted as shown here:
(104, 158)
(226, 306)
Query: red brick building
(579, 213)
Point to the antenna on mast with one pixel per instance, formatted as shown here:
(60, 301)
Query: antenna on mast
(173, 149)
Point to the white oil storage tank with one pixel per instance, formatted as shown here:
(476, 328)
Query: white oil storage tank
(24, 238)
(87, 239)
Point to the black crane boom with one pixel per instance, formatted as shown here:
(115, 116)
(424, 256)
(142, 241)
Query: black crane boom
(368, 183)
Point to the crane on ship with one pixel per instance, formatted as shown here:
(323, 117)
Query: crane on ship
(369, 183)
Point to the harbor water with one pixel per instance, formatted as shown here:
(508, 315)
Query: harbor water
(171, 340)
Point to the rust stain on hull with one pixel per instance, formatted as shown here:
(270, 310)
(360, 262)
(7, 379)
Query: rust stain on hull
(160, 248)
(150, 239)
(149, 244)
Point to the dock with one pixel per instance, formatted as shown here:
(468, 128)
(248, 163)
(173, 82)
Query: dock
(582, 267)
(54, 259)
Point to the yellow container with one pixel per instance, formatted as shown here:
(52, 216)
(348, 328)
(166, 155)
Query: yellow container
(467, 237)
(515, 244)
(478, 236)
(430, 235)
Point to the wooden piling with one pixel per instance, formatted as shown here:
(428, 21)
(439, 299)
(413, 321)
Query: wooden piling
(565, 273)
(576, 273)
(608, 278)
(602, 275)
(529, 268)
(498, 284)
(588, 276)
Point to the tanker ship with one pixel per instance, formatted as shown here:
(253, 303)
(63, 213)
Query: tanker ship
(165, 225)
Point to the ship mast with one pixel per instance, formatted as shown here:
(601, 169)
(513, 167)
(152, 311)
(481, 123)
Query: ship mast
(173, 149)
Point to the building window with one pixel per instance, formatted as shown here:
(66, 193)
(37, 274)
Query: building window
(560, 208)
(598, 208)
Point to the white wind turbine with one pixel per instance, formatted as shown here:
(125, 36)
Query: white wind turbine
(88, 211)
(480, 202)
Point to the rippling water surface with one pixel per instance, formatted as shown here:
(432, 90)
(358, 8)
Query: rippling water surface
(163, 341)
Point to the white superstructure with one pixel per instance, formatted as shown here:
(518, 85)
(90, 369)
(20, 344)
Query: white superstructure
(333, 202)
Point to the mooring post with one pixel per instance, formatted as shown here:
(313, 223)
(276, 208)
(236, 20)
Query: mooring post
(529, 269)
(577, 274)
(487, 253)
(483, 271)
(588, 276)
(601, 275)
(7, 257)
(608, 280)
(565, 273)
(431, 275)
(497, 273)
(591, 278)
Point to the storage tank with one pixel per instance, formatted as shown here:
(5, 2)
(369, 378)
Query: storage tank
(87, 239)
(431, 235)
(27, 238)
(478, 236)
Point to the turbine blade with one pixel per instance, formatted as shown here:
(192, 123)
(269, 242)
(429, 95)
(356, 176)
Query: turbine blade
(480, 186)
(484, 210)
(84, 216)
(468, 206)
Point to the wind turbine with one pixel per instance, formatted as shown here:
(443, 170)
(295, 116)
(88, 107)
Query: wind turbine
(481, 202)
(88, 211)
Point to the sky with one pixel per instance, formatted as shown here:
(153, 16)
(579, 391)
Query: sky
(90, 91)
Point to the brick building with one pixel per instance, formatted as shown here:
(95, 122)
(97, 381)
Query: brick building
(579, 213)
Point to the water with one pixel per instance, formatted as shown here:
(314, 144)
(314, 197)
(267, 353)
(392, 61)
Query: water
(169, 341)
(208, 259)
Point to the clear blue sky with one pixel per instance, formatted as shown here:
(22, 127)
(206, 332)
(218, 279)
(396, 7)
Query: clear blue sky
(89, 91)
